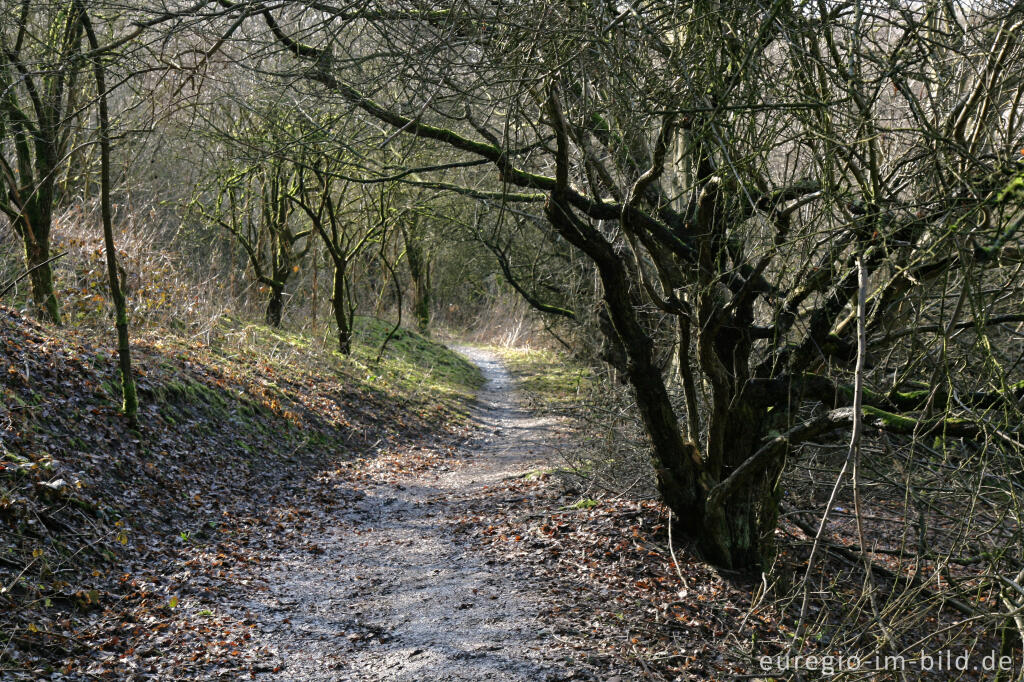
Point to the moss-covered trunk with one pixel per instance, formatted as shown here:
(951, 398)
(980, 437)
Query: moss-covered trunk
(419, 271)
(677, 462)
(421, 299)
(129, 404)
(740, 533)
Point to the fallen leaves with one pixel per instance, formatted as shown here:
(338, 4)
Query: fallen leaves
(114, 544)
(613, 594)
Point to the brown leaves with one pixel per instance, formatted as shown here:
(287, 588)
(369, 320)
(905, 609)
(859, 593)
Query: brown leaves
(612, 590)
(119, 543)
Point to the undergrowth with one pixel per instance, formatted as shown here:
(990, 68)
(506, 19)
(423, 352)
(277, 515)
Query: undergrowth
(549, 380)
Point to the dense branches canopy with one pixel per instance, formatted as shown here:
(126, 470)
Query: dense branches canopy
(723, 168)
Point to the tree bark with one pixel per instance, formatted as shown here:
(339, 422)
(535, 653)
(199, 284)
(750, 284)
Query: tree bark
(740, 532)
(341, 317)
(419, 271)
(34, 227)
(421, 297)
(275, 306)
(676, 461)
(129, 404)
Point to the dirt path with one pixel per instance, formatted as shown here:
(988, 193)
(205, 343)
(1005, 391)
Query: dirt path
(391, 595)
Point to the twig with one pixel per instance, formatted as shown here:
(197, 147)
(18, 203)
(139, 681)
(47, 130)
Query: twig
(673, 552)
(14, 582)
(858, 560)
(29, 272)
(858, 427)
(851, 455)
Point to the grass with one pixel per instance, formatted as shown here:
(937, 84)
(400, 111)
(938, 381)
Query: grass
(413, 371)
(412, 362)
(550, 379)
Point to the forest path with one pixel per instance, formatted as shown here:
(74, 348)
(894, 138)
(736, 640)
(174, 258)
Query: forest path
(390, 594)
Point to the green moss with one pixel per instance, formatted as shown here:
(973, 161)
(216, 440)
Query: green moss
(537, 474)
(914, 395)
(890, 420)
(412, 363)
(178, 397)
(10, 456)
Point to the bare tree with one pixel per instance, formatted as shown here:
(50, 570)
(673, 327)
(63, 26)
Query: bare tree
(329, 205)
(254, 192)
(724, 166)
(39, 70)
(129, 401)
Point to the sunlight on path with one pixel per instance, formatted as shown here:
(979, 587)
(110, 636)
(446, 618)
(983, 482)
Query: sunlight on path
(393, 596)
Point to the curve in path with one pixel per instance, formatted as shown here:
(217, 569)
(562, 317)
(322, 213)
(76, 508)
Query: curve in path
(393, 595)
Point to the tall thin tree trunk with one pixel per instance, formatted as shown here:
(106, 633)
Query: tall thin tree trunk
(129, 404)
(316, 285)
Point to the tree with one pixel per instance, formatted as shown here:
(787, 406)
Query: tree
(255, 203)
(39, 69)
(417, 254)
(725, 166)
(129, 402)
(329, 209)
(42, 108)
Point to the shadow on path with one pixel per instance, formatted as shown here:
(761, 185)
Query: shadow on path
(391, 595)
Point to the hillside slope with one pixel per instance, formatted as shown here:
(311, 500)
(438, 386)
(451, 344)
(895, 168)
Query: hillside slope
(90, 510)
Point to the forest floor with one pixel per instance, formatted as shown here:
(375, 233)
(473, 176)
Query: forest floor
(476, 561)
(473, 560)
(284, 513)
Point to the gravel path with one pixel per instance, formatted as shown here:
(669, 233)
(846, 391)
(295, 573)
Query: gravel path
(391, 595)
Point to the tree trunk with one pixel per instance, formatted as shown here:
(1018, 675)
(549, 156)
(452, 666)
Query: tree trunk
(34, 227)
(275, 305)
(129, 405)
(340, 314)
(677, 462)
(419, 269)
(421, 302)
(736, 535)
(740, 534)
